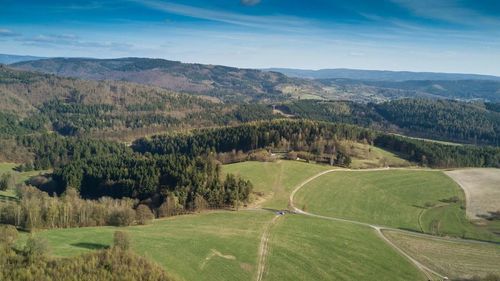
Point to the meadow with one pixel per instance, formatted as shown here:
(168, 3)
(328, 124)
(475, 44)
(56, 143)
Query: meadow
(417, 200)
(275, 180)
(307, 248)
(210, 246)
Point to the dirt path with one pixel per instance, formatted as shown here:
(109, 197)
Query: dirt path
(429, 273)
(263, 248)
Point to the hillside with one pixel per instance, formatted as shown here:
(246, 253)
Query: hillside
(112, 109)
(379, 75)
(464, 122)
(226, 83)
(230, 84)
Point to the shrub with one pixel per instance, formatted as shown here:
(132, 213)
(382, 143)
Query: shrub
(7, 181)
(122, 217)
(143, 214)
(36, 248)
(8, 234)
(121, 240)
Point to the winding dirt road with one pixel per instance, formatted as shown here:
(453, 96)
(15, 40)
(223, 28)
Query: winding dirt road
(429, 273)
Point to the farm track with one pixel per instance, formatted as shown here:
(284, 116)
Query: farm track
(429, 273)
(263, 248)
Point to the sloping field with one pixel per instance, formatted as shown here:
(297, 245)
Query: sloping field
(208, 246)
(450, 257)
(417, 200)
(306, 248)
(482, 190)
(366, 156)
(275, 179)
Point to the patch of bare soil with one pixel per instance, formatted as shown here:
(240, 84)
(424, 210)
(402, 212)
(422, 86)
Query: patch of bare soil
(482, 190)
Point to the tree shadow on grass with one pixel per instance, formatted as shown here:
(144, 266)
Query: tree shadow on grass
(90, 246)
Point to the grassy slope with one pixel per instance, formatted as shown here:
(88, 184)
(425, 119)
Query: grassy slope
(305, 248)
(275, 178)
(393, 198)
(453, 258)
(20, 177)
(367, 156)
(182, 244)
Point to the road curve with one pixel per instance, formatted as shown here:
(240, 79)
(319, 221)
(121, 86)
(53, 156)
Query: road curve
(378, 229)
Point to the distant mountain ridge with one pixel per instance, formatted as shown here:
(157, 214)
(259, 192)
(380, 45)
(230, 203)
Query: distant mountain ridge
(239, 85)
(378, 75)
(8, 59)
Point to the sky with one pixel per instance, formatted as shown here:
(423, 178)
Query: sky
(461, 36)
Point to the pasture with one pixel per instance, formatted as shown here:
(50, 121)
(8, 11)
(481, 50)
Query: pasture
(417, 200)
(307, 248)
(275, 180)
(210, 246)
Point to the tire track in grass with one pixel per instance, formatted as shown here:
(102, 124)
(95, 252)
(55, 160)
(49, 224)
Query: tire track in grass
(264, 248)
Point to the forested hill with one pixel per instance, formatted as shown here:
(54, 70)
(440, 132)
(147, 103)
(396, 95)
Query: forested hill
(33, 102)
(226, 83)
(230, 84)
(448, 120)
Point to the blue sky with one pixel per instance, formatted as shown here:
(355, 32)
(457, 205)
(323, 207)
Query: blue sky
(424, 35)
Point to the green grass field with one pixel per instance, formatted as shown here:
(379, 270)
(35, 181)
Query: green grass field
(275, 179)
(306, 248)
(450, 257)
(208, 246)
(396, 198)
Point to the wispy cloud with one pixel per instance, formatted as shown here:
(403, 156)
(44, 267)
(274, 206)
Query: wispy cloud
(250, 2)
(451, 11)
(8, 33)
(277, 22)
(71, 40)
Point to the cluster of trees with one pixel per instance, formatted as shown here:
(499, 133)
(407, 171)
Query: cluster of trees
(35, 209)
(52, 151)
(466, 122)
(193, 182)
(317, 138)
(32, 262)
